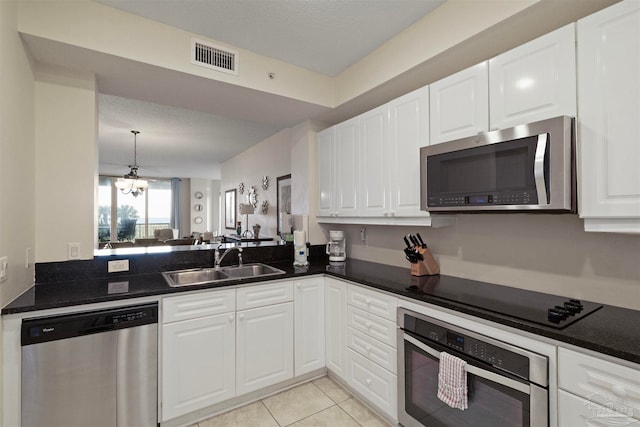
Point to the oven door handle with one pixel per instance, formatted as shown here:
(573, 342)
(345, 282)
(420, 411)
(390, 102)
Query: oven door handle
(472, 369)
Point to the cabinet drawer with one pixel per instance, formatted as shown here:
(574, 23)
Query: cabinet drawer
(379, 353)
(202, 304)
(577, 411)
(376, 384)
(264, 294)
(373, 326)
(373, 302)
(598, 380)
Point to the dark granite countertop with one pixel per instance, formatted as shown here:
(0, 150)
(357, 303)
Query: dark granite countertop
(610, 330)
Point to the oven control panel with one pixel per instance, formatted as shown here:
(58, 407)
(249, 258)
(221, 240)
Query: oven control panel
(463, 345)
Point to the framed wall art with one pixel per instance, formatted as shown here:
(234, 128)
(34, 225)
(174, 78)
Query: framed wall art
(230, 209)
(283, 190)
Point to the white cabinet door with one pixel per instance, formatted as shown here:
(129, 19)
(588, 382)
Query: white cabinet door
(374, 162)
(609, 121)
(264, 342)
(326, 171)
(409, 130)
(347, 156)
(198, 364)
(534, 81)
(577, 411)
(336, 325)
(459, 104)
(309, 325)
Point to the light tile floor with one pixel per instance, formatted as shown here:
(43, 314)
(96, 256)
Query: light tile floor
(319, 403)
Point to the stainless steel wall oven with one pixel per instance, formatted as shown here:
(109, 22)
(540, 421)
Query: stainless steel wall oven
(507, 385)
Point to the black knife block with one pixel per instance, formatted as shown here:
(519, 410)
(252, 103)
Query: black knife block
(428, 266)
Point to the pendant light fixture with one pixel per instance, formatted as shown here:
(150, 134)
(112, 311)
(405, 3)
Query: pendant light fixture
(131, 183)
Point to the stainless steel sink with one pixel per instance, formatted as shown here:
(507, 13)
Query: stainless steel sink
(200, 276)
(195, 276)
(251, 270)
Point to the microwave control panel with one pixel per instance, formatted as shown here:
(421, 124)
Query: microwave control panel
(503, 198)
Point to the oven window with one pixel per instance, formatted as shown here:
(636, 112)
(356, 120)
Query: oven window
(490, 404)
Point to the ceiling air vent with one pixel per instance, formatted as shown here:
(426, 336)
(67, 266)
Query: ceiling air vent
(215, 57)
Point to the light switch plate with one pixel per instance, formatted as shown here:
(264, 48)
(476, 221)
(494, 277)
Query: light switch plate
(4, 265)
(74, 251)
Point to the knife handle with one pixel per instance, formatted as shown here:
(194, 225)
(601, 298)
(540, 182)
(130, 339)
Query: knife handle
(406, 241)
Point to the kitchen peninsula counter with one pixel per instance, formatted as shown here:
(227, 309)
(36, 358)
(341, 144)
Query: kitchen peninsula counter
(609, 330)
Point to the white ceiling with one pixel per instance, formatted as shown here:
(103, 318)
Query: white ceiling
(325, 36)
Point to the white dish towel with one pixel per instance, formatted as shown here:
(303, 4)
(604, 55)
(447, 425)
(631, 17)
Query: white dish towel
(452, 381)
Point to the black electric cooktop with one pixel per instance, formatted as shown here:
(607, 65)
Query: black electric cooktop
(545, 309)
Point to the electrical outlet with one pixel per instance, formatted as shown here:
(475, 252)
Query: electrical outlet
(74, 250)
(4, 265)
(363, 236)
(118, 265)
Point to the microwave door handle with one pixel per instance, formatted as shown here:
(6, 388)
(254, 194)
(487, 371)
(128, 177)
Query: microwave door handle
(491, 376)
(538, 169)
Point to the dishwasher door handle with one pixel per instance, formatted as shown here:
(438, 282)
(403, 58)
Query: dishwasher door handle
(96, 330)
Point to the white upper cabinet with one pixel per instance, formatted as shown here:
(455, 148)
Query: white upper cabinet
(609, 119)
(326, 171)
(374, 165)
(390, 140)
(347, 156)
(459, 104)
(408, 131)
(534, 81)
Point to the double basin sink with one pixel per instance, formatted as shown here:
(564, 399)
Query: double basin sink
(201, 276)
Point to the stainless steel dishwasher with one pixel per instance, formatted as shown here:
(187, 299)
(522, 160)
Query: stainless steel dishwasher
(95, 368)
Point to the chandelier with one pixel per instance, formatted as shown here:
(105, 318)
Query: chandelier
(131, 183)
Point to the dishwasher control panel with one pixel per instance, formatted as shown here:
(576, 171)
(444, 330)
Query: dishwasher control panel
(43, 329)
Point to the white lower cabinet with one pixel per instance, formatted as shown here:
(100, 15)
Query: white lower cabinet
(374, 383)
(577, 411)
(264, 335)
(336, 326)
(371, 347)
(309, 328)
(264, 341)
(596, 392)
(198, 354)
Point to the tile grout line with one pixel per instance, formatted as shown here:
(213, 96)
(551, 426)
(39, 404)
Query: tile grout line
(272, 416)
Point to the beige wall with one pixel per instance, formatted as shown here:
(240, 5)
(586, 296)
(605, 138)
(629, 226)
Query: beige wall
(546, 253)
(271, 157)
(17, 164)
(66, 163)
(17, 199)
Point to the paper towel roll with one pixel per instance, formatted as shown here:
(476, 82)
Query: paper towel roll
(299, 238)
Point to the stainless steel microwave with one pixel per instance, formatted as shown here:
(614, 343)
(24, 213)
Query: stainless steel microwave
(527, 168)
